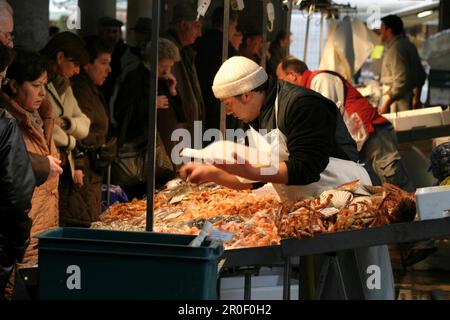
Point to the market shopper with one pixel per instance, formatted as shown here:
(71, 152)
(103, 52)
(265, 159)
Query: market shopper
(27, 78)
(132, 112)
(374, 134)
(402, 73)
(208, 61)
(110, 30)
(43, 167)
(17, 182)
(278, 50)
(185, 29)
(65, 53)
(85, 201)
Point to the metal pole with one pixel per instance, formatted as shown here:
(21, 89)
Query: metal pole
(152, 115)
(321, 37)
(288, 23)
(287, 279)
(108, 185)
(226, 23)
(306, 37)
(264, 34)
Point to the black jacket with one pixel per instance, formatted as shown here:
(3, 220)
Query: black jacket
(17, 183)
(309, 121)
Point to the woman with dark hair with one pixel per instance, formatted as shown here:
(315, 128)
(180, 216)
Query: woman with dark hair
(27, 79)
(65, 54)
(278, 50)
(86, 202)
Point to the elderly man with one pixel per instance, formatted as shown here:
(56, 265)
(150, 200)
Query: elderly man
(402, 74)
(186, 29)
(375, 136)
(305, 124)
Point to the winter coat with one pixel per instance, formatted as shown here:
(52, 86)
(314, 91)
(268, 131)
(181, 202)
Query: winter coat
(84, 204)
(17, 183)
(66, 106)
(188, 85)
(44, 203)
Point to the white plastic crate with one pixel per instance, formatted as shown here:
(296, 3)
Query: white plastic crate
(433, 202)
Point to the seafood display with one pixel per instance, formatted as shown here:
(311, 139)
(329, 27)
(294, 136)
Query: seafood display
(262, 220)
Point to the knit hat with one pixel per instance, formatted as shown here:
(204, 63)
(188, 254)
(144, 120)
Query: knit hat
(236, 76)
(440, 161)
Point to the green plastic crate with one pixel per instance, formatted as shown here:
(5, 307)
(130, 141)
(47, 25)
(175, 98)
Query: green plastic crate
(99, 264)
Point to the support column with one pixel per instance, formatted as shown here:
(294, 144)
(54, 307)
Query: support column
(137, 9)
(31, 23)
(444, 18)
(91, 11)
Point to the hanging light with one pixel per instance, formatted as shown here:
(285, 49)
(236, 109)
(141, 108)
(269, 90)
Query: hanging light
(424, 14)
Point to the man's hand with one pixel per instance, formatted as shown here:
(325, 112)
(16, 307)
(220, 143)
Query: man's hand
(241, 167)
(385, 107)
(162, 102)
(78, 178)
(55, 168)
(197, 174)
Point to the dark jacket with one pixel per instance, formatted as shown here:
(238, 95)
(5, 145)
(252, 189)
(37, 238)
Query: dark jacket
(84, 204)
(276, 55)
(208, 61)
(132, 105)
(116, 70)
(188, 85)
(17, 183)
(308, 120)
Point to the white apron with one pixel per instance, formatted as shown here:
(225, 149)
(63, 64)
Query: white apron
(336, 173)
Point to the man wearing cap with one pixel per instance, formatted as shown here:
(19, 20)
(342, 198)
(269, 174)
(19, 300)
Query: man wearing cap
(186, 29)
(305, 124)
(110, 30)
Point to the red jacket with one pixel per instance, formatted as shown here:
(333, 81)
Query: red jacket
(353, 101)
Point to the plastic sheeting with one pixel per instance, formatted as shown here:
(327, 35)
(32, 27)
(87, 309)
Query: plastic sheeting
(436, 50)
(348, 45)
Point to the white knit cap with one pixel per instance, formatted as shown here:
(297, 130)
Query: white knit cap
(236, 76)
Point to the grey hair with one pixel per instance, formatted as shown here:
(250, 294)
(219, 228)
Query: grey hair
(5, 6)
(166, 50)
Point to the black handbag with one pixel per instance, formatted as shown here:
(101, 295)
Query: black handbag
(130, 167)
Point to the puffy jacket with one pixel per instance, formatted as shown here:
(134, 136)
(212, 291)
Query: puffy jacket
(17, 183)
(44, 203)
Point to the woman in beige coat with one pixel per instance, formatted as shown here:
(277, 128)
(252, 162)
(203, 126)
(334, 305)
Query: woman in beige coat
(65, 54)
(26, 89)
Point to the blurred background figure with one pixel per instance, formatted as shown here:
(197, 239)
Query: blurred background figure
(110, 30)
(278, 50)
